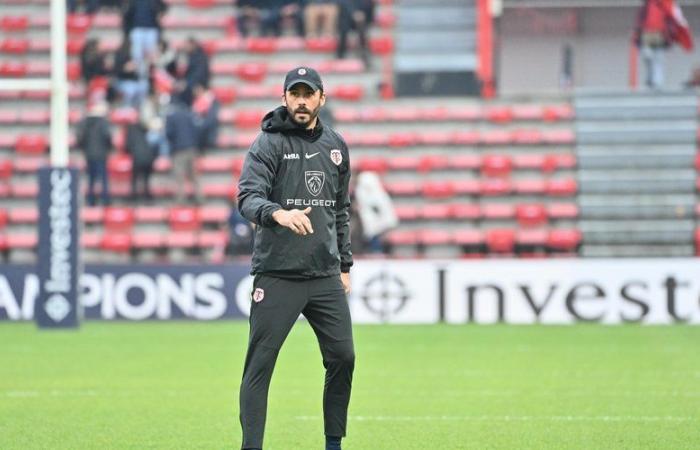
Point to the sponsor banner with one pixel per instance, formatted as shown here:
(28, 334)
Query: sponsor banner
(608, 291)
(135, 292)
(394, 292)
(57, 266)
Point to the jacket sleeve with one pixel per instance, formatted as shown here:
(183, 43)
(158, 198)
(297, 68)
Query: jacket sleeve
(255, 184)
(342, 216)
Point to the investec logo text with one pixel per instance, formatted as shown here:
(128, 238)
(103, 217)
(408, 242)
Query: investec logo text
(59, 283)
(132, 296)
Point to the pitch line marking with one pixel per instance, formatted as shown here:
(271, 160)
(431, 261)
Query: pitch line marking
(512, 418)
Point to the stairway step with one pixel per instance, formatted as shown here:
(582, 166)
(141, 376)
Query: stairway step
(637, 251)
(651, 160)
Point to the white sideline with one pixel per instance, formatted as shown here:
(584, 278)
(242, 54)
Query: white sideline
(510, 418)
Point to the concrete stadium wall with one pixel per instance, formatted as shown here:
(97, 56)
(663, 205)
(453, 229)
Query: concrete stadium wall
(530, 60)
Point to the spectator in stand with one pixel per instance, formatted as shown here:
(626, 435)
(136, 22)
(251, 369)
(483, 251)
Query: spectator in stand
(197, 69)
(142, 20)
(206, 114)
(95, 139)
(321, 18)
(167, 58)
(131, 88)
(142, 155)
(182, 138)
(268, 16)
(153, 119)
(355, 15)
(92, 61)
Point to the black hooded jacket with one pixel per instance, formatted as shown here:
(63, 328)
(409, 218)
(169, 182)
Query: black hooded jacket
(291, 167)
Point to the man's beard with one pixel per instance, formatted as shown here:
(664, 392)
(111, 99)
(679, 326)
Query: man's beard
(311, 113)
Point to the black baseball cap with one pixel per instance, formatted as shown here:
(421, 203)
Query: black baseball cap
(305, 75)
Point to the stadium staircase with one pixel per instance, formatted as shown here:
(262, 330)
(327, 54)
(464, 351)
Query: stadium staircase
(436, 48)
(637, 182)
(469, 178)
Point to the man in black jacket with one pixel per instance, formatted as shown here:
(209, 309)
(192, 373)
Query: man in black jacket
(294, 186)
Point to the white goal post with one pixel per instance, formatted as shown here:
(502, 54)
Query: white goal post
(57, 85)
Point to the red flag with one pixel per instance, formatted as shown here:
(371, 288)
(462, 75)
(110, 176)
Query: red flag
(679, 29)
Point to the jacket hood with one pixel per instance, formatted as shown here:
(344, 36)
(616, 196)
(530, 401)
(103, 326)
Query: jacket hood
(278, 121)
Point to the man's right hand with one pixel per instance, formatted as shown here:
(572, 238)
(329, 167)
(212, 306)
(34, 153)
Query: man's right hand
(296, 220)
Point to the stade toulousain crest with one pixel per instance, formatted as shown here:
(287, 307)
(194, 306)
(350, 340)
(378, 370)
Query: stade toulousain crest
(336, 157)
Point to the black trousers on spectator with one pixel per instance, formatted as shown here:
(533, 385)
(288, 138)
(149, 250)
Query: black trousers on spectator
(142, 176)
(275, 307)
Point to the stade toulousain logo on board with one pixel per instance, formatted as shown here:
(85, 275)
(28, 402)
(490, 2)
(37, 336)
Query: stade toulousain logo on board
(258, 295)
(336, 157)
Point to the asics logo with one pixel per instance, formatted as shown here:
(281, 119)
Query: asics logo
(311, 155)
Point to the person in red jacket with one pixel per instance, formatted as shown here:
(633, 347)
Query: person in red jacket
(659, 25)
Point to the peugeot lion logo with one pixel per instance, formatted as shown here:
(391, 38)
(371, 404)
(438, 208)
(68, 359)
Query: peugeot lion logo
(314, 181)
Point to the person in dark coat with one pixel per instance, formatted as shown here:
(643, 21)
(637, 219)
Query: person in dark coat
(142, 21)
(95, 139)
(197, 71)
(206, 113)
(131, 88)
(355, 15)
(92, 61)
(181, 132)
(143, 155)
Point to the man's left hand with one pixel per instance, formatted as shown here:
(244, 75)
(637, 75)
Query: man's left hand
(345, 278)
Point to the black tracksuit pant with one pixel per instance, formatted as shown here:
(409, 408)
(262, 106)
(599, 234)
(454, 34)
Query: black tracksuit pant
(273, 312)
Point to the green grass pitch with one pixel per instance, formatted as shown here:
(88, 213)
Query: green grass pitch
(175, 385)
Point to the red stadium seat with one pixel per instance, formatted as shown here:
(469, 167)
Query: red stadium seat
(213, 164)
(10, 24)
(237, 166)
(467, 187)
(90, 240)
(402, 237)
(497, 211)
(402, 139)
(383, 45)
(379, 165)
(500, 240)
(224, 190)
(404, 187)
(225, 95)
(119, 167)
(35, 116)
(200, 3)
(261, 45)
(465, 162)
(92, 214)
(214, 214)
(403, 163)
(181, 239)
(407, 212)
(14, 46)
(436, 138)
(536, 186)
(465, 211)
(468, 238)
(73, 71)
(554, 162)
(563, 137)
(433, 162)
(118, 218)
(253, 72)
(4, 218)
(13, 69)
(321, 45)
(75, 45)
(116, 242)
(499, 114)
(385, 18)
(147, 240)
(21, 241)
(526, 137)
(150, 214)
(434, 237)
(124, 116)
(438, 211)
(27, 215)
(531, 214)
(348, 92)
(184, 218)
(31, 144)
(566, 187)
(78, 23)
(5, 169)
(530, 161)
(466, 138)
(562, 210)
(8, 117)
(495, 137)
(438, 189)
(496, 187)
(249, 118)
(564, 239)
(497, 165)
(531, 238)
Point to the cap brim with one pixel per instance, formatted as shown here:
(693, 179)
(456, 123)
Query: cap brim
(306, 82)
